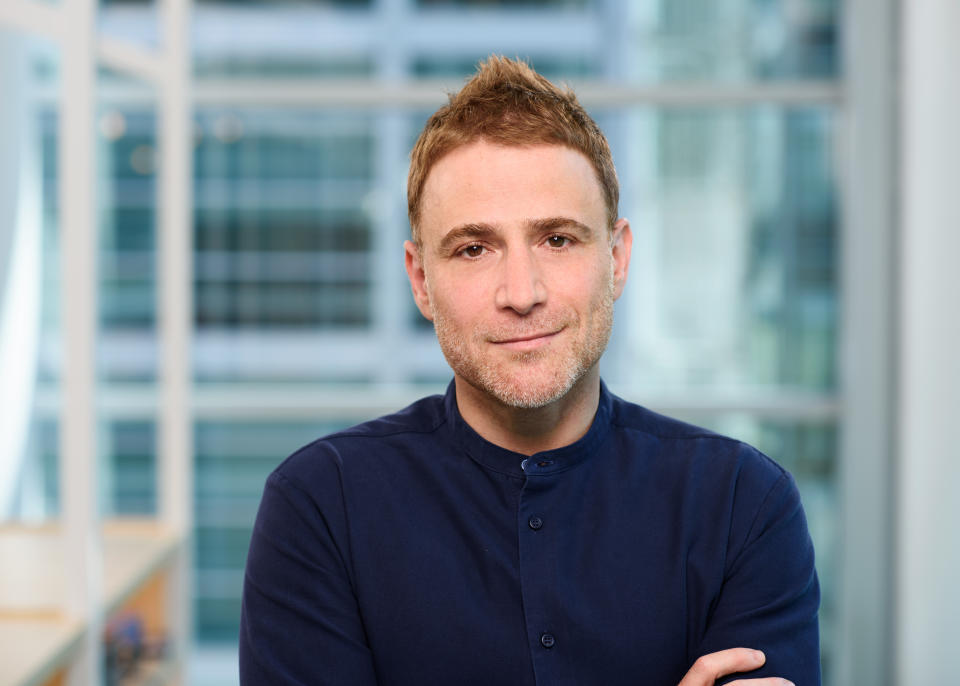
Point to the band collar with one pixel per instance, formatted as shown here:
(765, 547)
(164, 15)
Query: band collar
(517, 464)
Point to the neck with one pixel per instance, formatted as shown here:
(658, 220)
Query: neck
(529, 431)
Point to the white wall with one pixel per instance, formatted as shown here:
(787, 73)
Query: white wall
(928, 478)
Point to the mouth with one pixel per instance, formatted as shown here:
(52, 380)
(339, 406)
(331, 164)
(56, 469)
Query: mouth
(527, 342)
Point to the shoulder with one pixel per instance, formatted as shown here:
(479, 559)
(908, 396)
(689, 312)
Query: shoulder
(681, 438)
(721, 484)
(378, 438)
(702, 460)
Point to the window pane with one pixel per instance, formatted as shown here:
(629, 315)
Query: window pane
(33, 492)
(643, 41)
(129, 477)
(233, 460)
(30, 279)
(282, 236)
(746, 39)
(127, 138)
(635, 41)
(733, 281)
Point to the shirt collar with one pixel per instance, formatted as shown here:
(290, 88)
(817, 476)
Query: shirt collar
(517, 464)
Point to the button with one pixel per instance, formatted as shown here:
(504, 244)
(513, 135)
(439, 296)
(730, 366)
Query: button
(547, 640)
(523, 465)
(535, 523)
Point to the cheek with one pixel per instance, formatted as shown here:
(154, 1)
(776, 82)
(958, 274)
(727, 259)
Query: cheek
(457, 292)
(587, 286)
(455, 301)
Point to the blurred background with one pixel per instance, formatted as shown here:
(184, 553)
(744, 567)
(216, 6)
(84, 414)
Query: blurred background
(202, 210)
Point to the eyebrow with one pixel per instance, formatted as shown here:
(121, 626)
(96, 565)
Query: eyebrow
(551, 223)
(465, 232)
(480, 231)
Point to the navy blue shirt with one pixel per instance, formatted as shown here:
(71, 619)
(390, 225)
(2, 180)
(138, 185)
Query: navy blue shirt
(410, 551)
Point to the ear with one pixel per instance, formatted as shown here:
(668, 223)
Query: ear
(418, 279)
(621, 243)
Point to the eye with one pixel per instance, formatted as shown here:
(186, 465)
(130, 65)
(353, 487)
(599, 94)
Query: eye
(557, 241)
(474, 250)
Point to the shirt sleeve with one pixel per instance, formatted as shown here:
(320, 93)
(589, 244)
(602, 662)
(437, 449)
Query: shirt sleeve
(300, 623)
(770, 594)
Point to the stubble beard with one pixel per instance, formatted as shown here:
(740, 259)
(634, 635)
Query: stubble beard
(529, 379)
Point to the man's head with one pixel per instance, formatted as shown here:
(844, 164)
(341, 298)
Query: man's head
(517, 261)
(508, 103)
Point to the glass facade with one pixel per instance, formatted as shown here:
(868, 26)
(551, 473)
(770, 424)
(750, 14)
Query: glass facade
(283, 223)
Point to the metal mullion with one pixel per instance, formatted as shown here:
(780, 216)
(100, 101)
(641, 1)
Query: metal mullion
(34, 18)
(175, 308)
(429, 94)
(259, 399)
(868, 192)
(79, 511)
(131, 59)
(175, 262)
(432, 93)
(389, 305)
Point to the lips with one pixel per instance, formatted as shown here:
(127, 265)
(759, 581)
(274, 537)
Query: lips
(528, 337)
(527, 341)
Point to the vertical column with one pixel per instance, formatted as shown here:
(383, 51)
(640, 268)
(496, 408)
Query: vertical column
(390, 299)
(175, 307)
(928, 470)
(866, 353)
(79, 510)
(640, 196)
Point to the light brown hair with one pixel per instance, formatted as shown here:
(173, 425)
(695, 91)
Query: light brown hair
(508, 103)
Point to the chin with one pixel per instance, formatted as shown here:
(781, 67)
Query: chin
(529, 391)
(526, 400)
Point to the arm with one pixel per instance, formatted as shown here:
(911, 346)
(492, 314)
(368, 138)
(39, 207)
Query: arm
(770, 594)
(707, 669)
(300, 623)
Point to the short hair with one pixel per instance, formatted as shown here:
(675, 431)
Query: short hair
(508, 103)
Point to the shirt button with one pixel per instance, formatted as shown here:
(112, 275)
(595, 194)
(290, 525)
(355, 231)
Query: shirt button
(547, 640)
(535, 523)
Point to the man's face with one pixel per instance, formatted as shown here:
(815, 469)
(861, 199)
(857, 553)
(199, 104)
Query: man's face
(517, 268)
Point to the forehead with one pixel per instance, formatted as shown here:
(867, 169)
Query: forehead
(494, 184)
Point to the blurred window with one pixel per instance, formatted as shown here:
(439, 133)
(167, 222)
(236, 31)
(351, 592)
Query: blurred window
(730, 317)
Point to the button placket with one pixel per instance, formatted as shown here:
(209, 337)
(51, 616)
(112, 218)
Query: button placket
(538, 543)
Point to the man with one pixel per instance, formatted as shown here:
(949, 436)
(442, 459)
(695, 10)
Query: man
(528, 527)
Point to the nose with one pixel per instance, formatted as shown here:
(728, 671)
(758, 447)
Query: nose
(521, 286)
